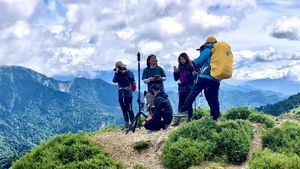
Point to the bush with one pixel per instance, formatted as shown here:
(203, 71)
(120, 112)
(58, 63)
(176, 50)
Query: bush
(238, 113)
(185, 153)
(199, 113)
(268, 159)
(206, 140)
(261, 118)
(67, 151)
(141, 145)
(235, 140)
(285, 138)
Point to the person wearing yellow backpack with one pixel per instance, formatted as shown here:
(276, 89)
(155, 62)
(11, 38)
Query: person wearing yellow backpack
(215, 61)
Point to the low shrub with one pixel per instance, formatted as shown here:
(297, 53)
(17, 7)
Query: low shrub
(67, 151)
(272, 160)
(235, 140)
(284, 138)
(238, 113)
(185, 153)
(261, 118)
(207, 140)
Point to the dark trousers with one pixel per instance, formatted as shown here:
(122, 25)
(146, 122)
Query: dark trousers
(155, 125)
(211, 91)
(182, 97)
(126, 106)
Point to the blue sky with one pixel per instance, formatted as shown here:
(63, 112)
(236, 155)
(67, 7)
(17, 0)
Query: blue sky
(72, 38)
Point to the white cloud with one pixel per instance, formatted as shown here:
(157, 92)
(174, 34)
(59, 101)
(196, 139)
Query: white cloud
(270, 63)
(14, 10)
(286, 28)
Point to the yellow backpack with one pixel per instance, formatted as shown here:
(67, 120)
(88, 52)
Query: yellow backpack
(221, 61)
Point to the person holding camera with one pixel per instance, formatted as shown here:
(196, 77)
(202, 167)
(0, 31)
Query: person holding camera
(153, 74)
(185, 75)
(162, 114)
(125, 80)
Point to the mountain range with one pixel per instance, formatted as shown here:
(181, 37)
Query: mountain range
(34, 107)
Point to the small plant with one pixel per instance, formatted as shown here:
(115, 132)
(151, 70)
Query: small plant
(139, 166)
(141, 145)
(272, 160)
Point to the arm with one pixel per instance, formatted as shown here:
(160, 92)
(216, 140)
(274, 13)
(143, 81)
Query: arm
(205, 54)
(115, 79)
(145, 77)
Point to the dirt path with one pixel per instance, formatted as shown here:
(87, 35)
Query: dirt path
(120, 146)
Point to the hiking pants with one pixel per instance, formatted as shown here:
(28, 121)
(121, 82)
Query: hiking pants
(182, 97)
(126, 105)
(155, 125)
(211, 94)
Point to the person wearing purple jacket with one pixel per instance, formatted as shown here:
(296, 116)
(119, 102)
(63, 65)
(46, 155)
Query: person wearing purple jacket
(184, 74)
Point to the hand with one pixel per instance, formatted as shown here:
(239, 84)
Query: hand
(143, 123)
(117, 69)
(194, 73)
(175, 69)
(151, 78)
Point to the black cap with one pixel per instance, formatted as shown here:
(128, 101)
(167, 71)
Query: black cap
(202, 47)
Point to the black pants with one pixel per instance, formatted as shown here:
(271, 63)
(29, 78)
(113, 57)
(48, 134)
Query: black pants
(182, 97)
(211, 91)
(126, 106)
(155, 125)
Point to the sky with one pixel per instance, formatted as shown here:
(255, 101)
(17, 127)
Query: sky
(85, 37)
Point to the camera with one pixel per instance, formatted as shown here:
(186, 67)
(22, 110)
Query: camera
(120, 68)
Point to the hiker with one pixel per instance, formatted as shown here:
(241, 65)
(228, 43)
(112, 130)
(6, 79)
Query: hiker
(184, 74)
(125, 80)
(205, 81)
(153, 74)
(162, 114)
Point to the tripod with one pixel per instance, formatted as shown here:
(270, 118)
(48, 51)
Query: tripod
(141, 104)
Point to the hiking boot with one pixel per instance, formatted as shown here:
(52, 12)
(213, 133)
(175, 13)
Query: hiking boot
(176, 123)
(126, 127)
(189, 120)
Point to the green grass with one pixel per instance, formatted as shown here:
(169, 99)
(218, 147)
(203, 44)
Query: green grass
(67, 151)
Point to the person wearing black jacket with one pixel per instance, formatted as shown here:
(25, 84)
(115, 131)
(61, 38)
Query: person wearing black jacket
(124, 78)
(162, 114)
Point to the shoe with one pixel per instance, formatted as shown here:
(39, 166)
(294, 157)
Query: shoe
(126, 127)
(176, 123)
(180, 114)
